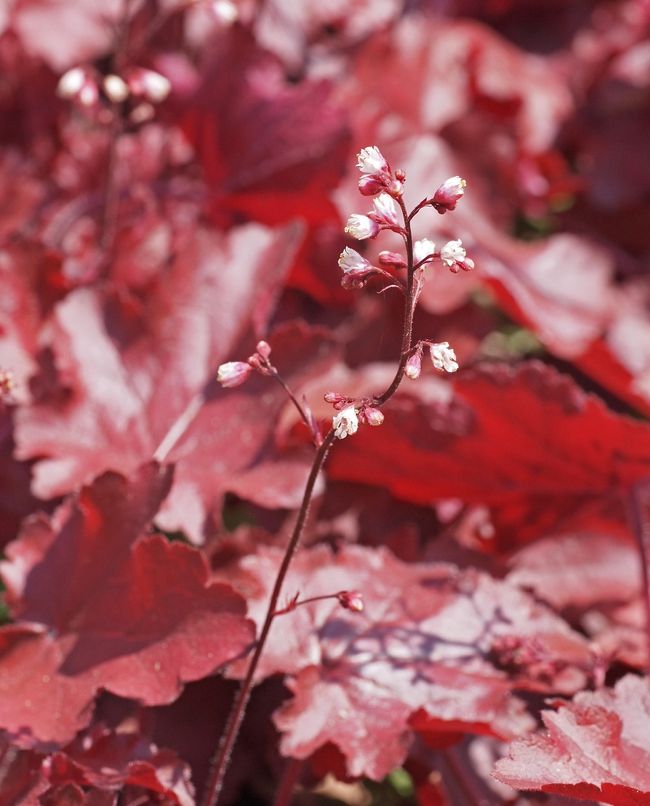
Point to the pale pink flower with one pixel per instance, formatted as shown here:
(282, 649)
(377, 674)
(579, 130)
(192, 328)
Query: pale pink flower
(385, 211)
(150, 84)
(454, 256)
(78, 84)
(345, 422)
(443, 356)
(372, 415)
(361, 226)
(354, 264)
(233, 373)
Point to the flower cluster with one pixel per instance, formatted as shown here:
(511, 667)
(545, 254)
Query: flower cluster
(139, 85)
(376, 174)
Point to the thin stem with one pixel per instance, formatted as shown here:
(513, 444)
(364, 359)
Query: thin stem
(639, 510)
(300, 408)
(290, 777)
(409, 310)
(238, 709)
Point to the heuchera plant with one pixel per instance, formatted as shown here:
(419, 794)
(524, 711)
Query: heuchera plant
(277, 530)
(408, 275)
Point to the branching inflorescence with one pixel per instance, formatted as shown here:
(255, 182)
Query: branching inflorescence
(408, 274)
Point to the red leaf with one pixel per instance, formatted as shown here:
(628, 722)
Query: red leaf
(290, 170)
(596, 747)
(526, 441)
(136, 614)
(427, 642)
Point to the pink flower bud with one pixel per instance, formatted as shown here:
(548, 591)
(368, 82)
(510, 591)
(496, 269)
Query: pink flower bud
(351, 600)
(373, 416)
(333, 397)
(413, 366)
(370, 186)
(233, 373)
(448, 194)
(391, 259)
(399, 174)
(263, 348)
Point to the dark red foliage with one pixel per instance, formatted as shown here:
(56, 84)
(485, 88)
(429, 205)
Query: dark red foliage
(178, 200)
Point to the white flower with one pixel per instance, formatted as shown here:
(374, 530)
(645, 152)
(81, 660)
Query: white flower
(454, 256)
(353, 264)
(443, 356)
(345, 422)
(370, 160)
(360, 227)
(385, 210)
(225, 11)
(422, 249)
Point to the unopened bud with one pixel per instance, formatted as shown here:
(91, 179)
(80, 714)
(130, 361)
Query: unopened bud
(448, 194)
(333, 397)
(373, 416)
(263, 348)
(351, 600)
(71, 82)
(7, 383)
(394, 259)
(399, 174)
(413, 366)
(370, 185)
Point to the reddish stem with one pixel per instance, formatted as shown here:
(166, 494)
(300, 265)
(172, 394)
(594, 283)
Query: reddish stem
(409, 310)
(639, 511)
(290, 776)
(300, 408)
(224, 751)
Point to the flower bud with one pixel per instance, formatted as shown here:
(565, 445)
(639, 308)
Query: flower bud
(413, 366)
(263, 348)
(351, 600)
(370, 186)
(353, 264)
(393, 259)
(448, 194)
(233, 373)
(333, 397)
(370, 160)
(385, 211)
